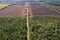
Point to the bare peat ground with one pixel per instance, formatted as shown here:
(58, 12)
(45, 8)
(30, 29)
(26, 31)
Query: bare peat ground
(27, 7)
(35, 9)
(12, 11)
(40, 10)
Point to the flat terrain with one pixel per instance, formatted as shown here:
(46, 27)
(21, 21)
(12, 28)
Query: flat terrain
(3, 6)
(40, 28)
(44, 28)
(12, 10)
(39, 9)
(13, 28)
(16, 10)
(55, 6)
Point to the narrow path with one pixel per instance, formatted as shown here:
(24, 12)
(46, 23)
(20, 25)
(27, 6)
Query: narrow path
(27, 13)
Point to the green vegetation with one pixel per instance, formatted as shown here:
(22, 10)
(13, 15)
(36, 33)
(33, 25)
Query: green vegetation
(40, 28)
(13, 29)
(53, 5)
(45, 28)
(2, 6)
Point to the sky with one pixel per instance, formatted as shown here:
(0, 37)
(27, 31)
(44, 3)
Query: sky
(30, 0)
(10, 0)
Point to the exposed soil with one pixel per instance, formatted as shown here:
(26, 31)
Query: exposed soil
(39, 9)
(35, 9)
(12, 10)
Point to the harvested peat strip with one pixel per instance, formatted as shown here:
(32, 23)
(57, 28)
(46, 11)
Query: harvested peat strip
(41, 10)
(12, 11)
